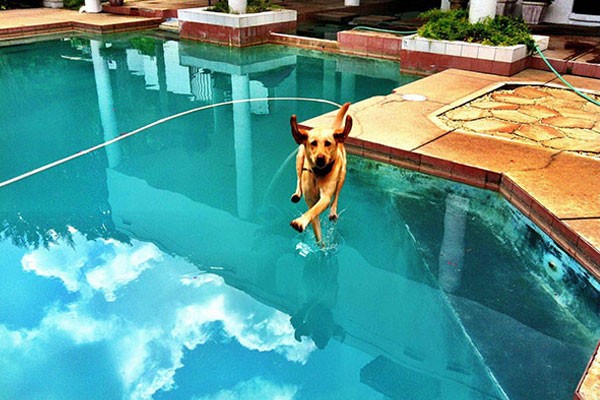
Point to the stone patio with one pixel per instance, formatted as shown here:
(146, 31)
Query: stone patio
(552, 117)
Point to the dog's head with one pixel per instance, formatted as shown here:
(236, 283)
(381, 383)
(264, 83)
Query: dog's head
(321, 143)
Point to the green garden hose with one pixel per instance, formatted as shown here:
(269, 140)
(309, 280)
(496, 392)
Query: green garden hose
(368, 28)
(585, 96)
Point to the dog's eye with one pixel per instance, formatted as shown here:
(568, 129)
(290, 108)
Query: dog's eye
(313, 143)
(327, 143)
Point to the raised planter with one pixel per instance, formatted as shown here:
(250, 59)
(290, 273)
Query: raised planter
(236, 30)
(427, 55)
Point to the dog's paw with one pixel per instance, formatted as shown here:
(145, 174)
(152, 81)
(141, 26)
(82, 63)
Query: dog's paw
(333, 215)
(295, 198)
(297, 225)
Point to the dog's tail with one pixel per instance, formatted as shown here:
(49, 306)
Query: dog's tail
(339, 118)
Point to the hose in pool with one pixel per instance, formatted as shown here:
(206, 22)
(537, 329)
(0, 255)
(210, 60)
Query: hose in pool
(368, 28)
(153, 124)
(580, 93)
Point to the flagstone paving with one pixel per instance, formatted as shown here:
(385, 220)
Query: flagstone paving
(555, 118)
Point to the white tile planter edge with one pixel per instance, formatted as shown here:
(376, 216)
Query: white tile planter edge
(471, 50)
(200, 15)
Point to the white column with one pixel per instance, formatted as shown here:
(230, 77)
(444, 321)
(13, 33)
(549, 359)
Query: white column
(351, 3)
(237, 6)
(108, 118)
(242, 136)
(481, 9)
(452, 253)
(93, 6)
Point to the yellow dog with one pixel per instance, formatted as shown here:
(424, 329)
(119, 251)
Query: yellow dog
(321, 169)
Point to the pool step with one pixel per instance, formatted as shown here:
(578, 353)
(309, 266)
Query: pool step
(170, 25)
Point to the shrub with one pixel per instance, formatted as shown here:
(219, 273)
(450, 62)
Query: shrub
(455, 25)
(253, 6)
(221, 7)
(73, 4)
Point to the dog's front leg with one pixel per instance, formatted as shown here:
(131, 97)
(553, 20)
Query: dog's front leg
(301, 222)
(299, 167)
(333, 215)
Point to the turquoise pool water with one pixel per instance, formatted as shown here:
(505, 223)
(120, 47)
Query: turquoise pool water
(163, 266)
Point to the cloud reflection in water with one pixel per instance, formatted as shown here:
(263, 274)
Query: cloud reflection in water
(140, 310)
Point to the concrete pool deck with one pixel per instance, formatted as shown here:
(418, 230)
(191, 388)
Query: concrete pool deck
(23, 24)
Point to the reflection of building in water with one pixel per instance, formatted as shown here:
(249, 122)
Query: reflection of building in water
(190, 220)
(201, 84)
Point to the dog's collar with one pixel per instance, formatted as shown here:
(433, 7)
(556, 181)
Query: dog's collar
(320, 172)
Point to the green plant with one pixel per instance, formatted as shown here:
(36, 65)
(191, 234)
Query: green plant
(73, 4)
(221, 7)
(145, 45)
(253, 6)
(455, 25)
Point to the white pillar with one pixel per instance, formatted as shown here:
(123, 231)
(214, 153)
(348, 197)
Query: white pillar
(351, 3)
(481, 9)
(452, 253)
(93, 6)
(242, 136)
(237, 6)
(108, 118)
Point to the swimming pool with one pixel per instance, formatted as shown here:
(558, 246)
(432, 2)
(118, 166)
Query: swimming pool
(163, 265)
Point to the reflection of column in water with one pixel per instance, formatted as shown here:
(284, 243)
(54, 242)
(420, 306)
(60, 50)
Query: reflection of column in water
(201, 83)
(328, 80)
(453, 245)
(242, 133)
(106, 106)
(162, 77)
(348, 87)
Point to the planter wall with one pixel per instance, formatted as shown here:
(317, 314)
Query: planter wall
(429, 56)
(236, 30)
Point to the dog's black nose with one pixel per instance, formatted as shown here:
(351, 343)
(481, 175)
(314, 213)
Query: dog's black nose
(320, 161)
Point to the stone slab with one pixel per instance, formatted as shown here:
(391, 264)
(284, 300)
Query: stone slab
(560, 186)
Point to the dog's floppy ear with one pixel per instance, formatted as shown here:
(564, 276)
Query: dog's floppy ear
(300, 136)
(339, 118)
(341, 134)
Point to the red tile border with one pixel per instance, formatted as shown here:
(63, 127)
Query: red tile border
(236, 37)
(567, 238)
(584, 69)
